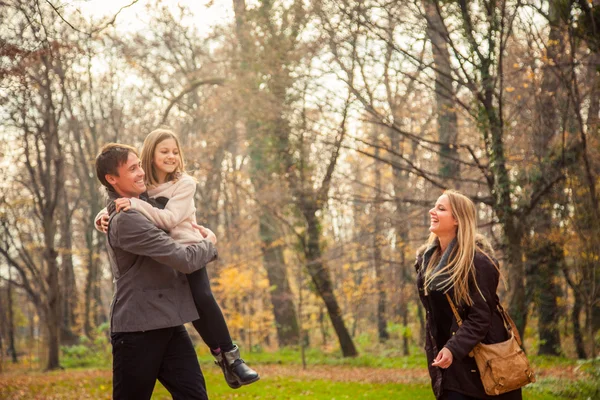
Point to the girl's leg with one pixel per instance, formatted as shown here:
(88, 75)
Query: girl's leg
(214, 331)
(211, 326)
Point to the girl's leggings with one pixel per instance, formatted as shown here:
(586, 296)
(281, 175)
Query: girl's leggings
(211, 325)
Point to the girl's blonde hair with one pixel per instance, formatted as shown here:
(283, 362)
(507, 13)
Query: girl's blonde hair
(459, 269)
(147, 158)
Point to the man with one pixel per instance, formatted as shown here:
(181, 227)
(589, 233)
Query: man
(152, 298)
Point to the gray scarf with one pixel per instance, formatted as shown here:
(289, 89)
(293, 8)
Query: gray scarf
(440, 282)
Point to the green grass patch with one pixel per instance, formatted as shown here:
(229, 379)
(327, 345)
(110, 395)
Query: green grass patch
(290, 356)
(551, 361)
(586, 388)
(293, 388)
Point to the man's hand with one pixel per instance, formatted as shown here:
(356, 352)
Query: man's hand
(206, 233)
(122, 204)
(444, 359)
(103, 223)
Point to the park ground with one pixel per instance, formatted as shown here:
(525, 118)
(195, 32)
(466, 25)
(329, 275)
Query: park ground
(283, 377)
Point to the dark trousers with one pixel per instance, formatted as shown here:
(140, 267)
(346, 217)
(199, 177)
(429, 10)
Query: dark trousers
(514, 395)
(140, 358)
(450, 395)
(211, 326)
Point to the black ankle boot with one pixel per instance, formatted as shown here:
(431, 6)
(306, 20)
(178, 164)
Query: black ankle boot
(231, 379)
(238, 368)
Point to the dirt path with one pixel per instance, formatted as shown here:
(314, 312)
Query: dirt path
(346, 374)
(272, 371)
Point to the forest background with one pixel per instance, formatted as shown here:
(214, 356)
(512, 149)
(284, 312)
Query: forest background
(320, 133)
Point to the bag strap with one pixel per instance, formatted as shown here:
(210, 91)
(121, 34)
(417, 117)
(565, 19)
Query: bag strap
(508, 322)
(511, 324)
(458, 318)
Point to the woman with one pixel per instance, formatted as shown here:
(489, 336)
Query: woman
(458, 261)
(163, 162)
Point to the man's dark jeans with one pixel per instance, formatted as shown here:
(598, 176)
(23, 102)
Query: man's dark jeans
(139, 358)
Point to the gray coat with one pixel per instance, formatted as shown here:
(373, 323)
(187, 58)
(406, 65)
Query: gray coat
(151, 289)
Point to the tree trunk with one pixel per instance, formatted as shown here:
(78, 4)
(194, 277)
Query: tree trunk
(492, 130)
(402, 227)
(320, 276)
(262, 161)
(53, 337)
(577, 333)
(69, 298)
(377, 226)
(3, 329)
(53, 307)
(444, 94)
(544, 260)
(546, 255)
(405, 344)
(323, 328)
(593, 130)
(94, 314)
(11, 323)
(281, 295)
(88, 294)
(99, 313)
(516, 274)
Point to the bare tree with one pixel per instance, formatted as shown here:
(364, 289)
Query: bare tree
(267, 133)
(35, 110)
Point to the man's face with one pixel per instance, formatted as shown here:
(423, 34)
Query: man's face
(130, 181)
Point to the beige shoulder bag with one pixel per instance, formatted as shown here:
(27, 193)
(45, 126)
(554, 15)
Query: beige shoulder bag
(503, 366)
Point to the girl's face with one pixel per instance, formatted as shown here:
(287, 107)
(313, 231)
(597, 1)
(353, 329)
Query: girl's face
(443, 222)
(166, 156)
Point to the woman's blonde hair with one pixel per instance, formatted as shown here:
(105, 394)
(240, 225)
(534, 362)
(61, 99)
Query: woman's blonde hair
(459, 269)
(147, 158)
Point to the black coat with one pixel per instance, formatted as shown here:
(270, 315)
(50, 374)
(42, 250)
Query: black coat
(482, 322)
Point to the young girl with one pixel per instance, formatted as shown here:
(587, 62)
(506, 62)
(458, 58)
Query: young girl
(162, 160)
(458, 261)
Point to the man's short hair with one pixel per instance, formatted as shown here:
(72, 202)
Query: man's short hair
(111, 157)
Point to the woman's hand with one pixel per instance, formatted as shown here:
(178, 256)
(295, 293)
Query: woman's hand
(122, 204)
(206, 233)
(443, 359)
(103, 223)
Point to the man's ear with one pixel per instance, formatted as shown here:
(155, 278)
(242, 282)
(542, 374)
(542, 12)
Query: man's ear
(110, 179)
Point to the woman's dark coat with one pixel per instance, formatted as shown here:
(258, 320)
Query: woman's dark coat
(481, 323)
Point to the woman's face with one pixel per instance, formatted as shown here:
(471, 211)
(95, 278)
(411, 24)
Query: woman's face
(443, 222)
(166, 156)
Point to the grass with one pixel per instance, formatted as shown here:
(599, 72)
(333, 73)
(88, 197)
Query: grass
(96, 384)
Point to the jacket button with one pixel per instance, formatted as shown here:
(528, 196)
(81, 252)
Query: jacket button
(160, 295)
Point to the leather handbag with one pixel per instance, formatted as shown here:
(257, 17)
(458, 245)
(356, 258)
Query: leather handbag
(503, 366)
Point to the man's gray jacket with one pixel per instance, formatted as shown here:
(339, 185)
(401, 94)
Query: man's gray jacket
(151, 289)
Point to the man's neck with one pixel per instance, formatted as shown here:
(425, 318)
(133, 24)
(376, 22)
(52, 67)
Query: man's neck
(115, 194)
